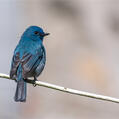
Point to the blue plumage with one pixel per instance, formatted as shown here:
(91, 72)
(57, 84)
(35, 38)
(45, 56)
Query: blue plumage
(28, 60)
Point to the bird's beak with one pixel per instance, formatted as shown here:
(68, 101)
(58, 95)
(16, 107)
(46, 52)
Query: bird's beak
(45, 34)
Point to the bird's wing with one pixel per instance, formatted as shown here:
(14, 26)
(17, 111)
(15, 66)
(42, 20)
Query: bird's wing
(14, 65)
(31, 61)
(41, 64)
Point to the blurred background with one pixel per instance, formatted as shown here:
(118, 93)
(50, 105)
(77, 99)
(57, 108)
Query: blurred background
(82, 53)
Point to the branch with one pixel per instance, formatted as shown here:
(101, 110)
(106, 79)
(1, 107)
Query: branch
(67, 90)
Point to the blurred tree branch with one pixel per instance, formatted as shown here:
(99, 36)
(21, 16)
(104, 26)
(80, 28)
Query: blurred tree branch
(67, 90)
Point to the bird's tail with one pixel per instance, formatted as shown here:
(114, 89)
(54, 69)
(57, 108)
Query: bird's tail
(20, 95)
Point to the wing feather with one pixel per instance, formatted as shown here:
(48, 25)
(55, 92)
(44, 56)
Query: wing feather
(32, 64)
(14, 66)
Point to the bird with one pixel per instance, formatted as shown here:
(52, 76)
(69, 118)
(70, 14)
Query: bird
(28, 60)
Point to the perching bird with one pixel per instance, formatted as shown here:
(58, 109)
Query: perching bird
(28, 60)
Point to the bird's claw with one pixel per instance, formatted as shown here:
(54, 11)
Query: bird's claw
(35, 79)
(15, 81)
(34, 84)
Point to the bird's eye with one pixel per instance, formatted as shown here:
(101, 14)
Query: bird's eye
(36, 32)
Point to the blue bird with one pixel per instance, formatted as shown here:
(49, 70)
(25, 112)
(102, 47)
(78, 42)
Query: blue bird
(28, 60)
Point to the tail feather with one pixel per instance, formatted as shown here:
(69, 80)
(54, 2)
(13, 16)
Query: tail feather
(20, 95)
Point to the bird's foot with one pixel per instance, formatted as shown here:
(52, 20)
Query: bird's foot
(35, 79)
(15, 81)
(34, 85)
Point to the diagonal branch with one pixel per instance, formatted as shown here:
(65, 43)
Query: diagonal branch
(67, 90)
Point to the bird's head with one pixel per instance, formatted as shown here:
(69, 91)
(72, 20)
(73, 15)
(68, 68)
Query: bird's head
(35, 33)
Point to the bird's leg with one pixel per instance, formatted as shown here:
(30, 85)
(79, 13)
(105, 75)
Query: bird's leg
(35, 79)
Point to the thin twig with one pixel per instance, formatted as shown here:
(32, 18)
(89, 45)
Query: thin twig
(67, 90)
